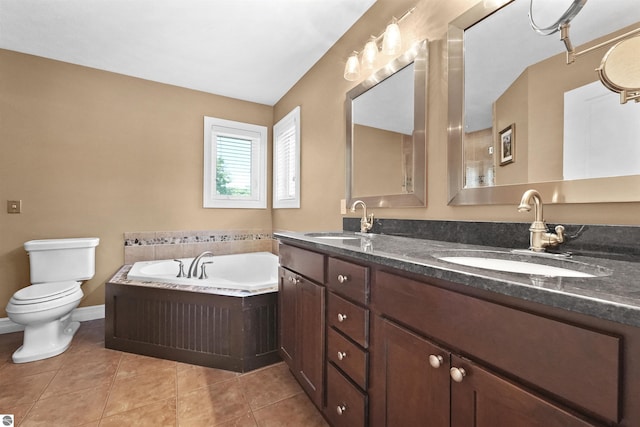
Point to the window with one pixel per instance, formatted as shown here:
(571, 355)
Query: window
(286, 161)
(235, 164)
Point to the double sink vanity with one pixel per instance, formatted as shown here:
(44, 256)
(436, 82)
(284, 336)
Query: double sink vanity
(390, 327)
(383, 330)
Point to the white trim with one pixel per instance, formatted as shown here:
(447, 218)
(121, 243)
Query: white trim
(7, 326)
(256, 133)
(292, 119)
(81, 314)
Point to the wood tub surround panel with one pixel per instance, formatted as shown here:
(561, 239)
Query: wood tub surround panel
(225, 332)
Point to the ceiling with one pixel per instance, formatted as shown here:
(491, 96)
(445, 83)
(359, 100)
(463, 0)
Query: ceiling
(254, 50)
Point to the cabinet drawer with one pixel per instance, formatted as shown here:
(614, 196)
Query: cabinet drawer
(346, 405)
(348, 318)
(307, 263)
(348, 357)
(348, 279)
(574, 363)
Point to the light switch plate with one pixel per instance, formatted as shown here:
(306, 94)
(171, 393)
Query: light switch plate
(14, 206)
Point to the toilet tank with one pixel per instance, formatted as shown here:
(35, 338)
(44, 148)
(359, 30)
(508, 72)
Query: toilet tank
(56, 260)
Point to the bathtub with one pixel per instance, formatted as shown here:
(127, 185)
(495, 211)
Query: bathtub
(228, 321)
(245, 272)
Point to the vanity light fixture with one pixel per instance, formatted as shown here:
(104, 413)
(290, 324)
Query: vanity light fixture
(622, 74)
(391, 45)
(352, 69)
(392, 40)
(370, 53)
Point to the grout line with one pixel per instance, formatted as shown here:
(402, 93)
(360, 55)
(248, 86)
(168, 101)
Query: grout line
(26, 414)
(177, 423)
(113, 381)
(238, 378)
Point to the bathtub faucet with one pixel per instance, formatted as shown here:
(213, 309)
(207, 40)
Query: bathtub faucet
(193, 268)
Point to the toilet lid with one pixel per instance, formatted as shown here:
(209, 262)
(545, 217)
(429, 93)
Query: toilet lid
(59, 301)
(44, 292)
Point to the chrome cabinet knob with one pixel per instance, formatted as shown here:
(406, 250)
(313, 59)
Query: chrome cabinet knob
(341, 409)
(294, 280)
(343, 278)
(457, 374)
(342, 317)
(435, 360)
(341, 355)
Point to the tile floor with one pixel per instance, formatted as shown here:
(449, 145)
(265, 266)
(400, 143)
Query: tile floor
(89, 385)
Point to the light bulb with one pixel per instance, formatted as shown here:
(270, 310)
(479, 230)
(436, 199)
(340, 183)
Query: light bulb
(392, 41)
(352, 68)
(369, 54)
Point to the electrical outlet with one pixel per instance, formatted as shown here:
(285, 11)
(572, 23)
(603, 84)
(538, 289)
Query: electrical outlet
(343, 207)
(14, 206)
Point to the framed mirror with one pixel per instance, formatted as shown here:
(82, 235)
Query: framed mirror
(386, 134)
(520, 116)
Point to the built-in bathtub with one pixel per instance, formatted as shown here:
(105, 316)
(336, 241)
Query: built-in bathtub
(227, 321)
(254, 272)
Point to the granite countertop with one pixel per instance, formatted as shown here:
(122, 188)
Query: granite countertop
(614, 294)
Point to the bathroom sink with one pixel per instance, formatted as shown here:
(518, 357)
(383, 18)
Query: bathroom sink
(531, 264)
(333, 236)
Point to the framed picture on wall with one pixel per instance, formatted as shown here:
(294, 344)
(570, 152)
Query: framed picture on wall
(507, 140)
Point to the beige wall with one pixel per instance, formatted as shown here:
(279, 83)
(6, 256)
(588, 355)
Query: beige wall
(321, 93)
(92, 153)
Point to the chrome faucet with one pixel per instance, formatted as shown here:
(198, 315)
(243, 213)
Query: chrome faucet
(366, 222)
(539, 236)
(193, 268)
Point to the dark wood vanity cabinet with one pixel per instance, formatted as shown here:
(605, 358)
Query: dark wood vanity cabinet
(397, 349)
(407, 389)
(483, 399)
(417, 385)
(347, 343)
(301, 308)
(492, 365)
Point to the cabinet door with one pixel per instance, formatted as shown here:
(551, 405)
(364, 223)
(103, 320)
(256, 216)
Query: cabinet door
(310, 338)
(482, 399)
(415, 392)
(287, 316)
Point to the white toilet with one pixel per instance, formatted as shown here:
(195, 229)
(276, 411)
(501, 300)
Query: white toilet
(57, 268)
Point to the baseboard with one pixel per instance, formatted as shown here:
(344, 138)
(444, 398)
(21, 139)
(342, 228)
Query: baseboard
(84, 314)
(81, 314)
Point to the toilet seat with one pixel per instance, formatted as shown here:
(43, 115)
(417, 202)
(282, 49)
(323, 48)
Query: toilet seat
(45, 292)
(52, 295)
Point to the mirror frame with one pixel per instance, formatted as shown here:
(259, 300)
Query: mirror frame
(419, 55)
(594, 190)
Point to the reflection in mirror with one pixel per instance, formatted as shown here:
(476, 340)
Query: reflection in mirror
(386, 135)
(574, 139)
(620, 69)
